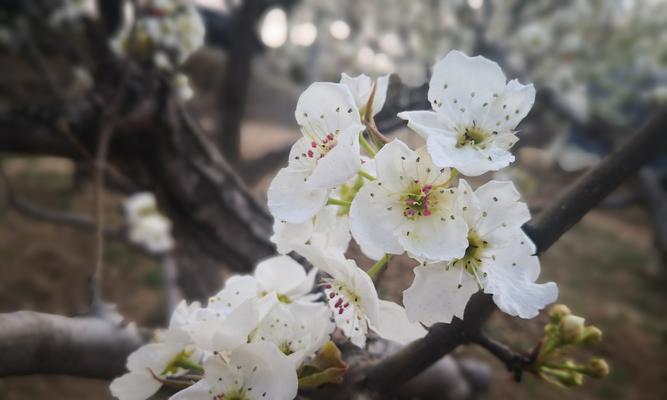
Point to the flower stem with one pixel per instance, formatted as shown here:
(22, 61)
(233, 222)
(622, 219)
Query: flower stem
(366, 175)
(367, 146)
(378, 265)
(338, 202)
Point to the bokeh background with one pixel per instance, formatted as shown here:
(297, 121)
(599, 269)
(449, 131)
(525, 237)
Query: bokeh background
(600, 69)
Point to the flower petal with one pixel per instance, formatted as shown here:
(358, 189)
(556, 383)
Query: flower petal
(394, 325)
(435, 294)
(138, 385)
(280, 274)
(503, 207)
(291, 199)
(374, 217)
(427, 123)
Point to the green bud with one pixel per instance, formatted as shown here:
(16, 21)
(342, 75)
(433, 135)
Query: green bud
(592, 335)
(566, 378)
(597, 368)
(558, 311)
(571, 329)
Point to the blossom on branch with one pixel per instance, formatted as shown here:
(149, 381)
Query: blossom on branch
(475, 114)
(499, 259)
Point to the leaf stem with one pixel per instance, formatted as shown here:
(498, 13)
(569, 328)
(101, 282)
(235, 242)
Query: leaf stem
(378, 265)
(338, 202)
(367, 146)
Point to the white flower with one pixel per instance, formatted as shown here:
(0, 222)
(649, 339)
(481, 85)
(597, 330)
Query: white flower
(409, 207)
(255, 371)
(139, 204)
(475, 114)
(327, 229)
(281, 275)
(326, 156)
(170, 356)
(299, 330)
(352, 297)
(361, 87)
(153, 232)
(183, 88)
(499, 259)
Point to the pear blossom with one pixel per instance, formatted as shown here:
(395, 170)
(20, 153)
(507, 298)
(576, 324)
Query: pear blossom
(147, 227)
(280, 275)
(475, 114)
(326, 156)
(361, 87)
(352, 297)
(499, 259)
(299, 330)
(409, 207)
(255, 371)
(327, 229)
(166, 32)
(170, 356)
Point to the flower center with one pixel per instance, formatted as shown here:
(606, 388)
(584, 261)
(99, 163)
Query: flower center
(418, 201)
(339, 297)
(319, 147)
(473, 136)
(472, 259)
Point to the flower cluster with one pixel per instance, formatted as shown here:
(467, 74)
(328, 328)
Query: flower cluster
(411, 201)
(164, 33)
(147, 227)
(253, 337)
(259, 336)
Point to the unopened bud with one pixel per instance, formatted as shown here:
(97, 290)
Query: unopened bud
(558, 311)
(592, 335)
(571, 329)
(568, 378)
(597, 368)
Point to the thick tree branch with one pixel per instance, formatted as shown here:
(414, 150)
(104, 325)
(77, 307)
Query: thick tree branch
(37, 343)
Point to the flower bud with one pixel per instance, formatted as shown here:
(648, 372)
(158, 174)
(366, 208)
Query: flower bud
(571, 329)
(597, 368)
(558, 311)
(567, 378)
(592, 335)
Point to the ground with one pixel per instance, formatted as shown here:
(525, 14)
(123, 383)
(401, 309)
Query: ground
(605, 267)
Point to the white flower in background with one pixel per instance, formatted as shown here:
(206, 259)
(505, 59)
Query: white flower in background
(361, 87)
(409, 207)
(352, 297)
(183, 88)
(166, 32)
(255, 371)
(299, 330)
(326, 156)
(172, 355)
(146, 226)
(69, 11)
(475, 114)
(499, 259)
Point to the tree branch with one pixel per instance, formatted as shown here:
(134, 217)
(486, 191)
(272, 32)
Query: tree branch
(37, 343)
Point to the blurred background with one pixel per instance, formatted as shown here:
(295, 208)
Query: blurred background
(599, 66)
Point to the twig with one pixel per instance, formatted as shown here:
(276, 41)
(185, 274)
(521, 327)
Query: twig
(514, 362)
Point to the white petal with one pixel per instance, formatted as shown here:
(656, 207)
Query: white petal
(138, 385)
(341, 163)
(359, 86)
(427, 123)
(280, 274)
(238, 288)
(461, 84)
(286, 235)
(374, 217)
(435, 295)
(436, 237)
(391, 162)
(324, 108)
(394, 325)
(236, 327)
(149, 356)
(503, 207)
(469, 161)
(513, 290)
(332, 231)
(266, 370)
(199, 391)
(509, 108)
(291, 199)
(380, 93)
